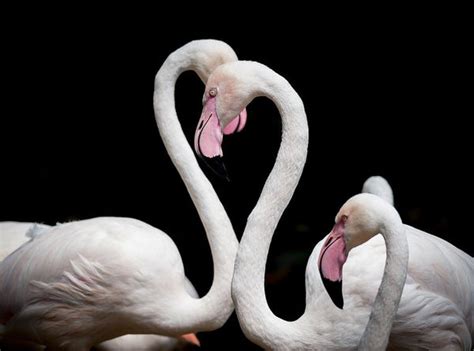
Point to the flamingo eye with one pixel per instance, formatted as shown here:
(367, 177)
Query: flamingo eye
(344, 218)
(213, 92)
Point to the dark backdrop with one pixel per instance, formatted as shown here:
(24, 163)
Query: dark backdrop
(79, 140)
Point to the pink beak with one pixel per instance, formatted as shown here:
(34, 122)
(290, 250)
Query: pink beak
(209, 135)
(237, 124)
(331, 261)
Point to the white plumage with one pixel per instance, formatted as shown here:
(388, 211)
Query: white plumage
(19, 232)
(437, 305)
(12, 236)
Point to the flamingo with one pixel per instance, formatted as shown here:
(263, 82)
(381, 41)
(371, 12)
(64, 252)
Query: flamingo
(84, 282)
(14, 234)
(436, 307)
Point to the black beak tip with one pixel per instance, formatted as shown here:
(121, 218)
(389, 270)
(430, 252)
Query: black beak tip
(216, 164)
(334, 290)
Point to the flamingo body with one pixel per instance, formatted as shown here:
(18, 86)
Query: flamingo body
(437, 304)
(20, 232)
(76, 265)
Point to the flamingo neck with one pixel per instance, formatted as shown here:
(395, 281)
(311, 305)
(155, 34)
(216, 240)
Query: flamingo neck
(256, 319)
(255, 316)
(377, 331)
(211, 311)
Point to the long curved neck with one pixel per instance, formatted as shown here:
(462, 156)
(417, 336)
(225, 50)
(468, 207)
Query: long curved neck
(377, 331)
(256, 319)
(255, 316)
(211, 311)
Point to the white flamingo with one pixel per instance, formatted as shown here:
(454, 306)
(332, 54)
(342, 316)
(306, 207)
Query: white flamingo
(14, 234)
(436, 308)
(88, 281)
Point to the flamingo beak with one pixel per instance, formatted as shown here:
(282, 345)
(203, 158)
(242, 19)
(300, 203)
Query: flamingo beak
(237, 124)
(209, 135)
(331, 261)
(208, 139)
(191, 338)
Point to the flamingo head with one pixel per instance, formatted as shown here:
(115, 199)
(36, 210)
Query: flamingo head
(358, 220)
(225, 98)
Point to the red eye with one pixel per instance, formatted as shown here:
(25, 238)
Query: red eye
(344, 218)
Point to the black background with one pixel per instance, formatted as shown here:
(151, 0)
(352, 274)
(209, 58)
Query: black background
(79, 140)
